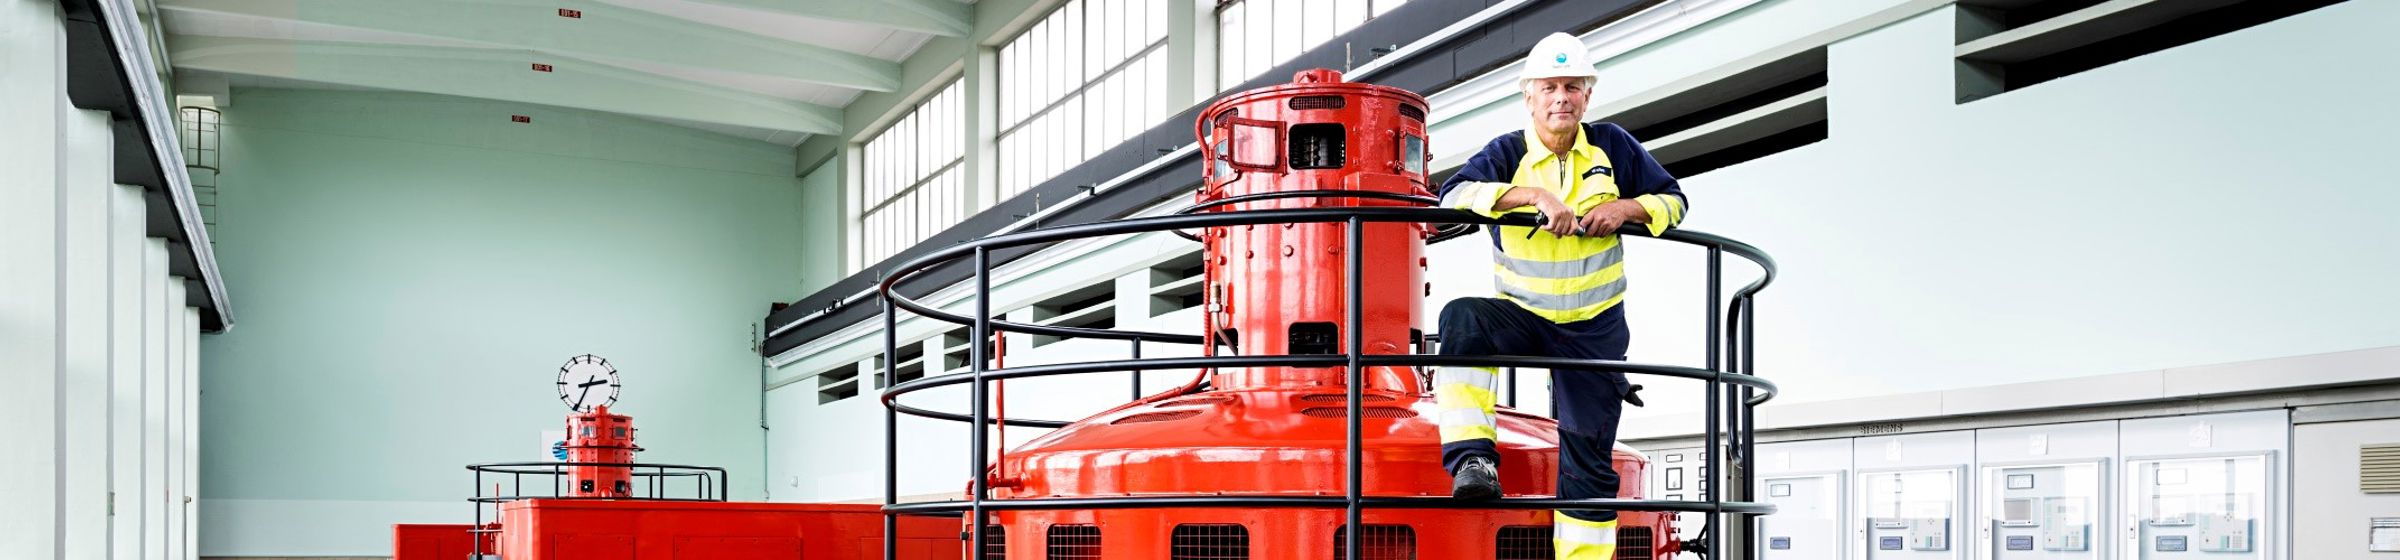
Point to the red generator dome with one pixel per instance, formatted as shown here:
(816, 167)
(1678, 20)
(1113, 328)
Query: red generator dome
(1278, 289)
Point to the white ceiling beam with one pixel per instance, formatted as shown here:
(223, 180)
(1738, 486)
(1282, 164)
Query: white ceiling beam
(946, 18)
(504, 75)
(601, 30)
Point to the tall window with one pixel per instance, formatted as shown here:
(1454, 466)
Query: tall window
(913, 180)
(1255, 35)
(1083, 79)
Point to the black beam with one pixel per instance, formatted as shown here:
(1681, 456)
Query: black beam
(96, 81)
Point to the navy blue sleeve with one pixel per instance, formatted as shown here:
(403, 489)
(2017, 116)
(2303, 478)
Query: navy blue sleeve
(1495, 163)
(1637, 172)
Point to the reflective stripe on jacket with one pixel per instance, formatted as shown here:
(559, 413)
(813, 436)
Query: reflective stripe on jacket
(1570, 278)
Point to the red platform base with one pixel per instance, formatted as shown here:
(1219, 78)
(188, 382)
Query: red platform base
(653, 530)
(435, 542)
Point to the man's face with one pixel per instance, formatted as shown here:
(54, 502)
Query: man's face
(1557, 103)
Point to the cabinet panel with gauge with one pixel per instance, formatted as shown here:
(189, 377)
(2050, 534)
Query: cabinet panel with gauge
(2204, 487)
(1910, 513)
(2199, 507)
(1910, 496)
(2043, 511)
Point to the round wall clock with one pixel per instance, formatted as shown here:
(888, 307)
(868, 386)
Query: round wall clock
(587, 381)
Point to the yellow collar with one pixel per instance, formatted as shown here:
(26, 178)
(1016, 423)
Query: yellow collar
(1583, 145)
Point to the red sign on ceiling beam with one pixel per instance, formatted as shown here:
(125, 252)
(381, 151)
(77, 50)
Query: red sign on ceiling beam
(566, 13)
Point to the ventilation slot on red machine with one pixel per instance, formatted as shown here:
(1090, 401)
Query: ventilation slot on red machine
(1074, 542)
(1209, 542)
(1378, 542)
(995, 543)
(1634, 543)
(1524, 543)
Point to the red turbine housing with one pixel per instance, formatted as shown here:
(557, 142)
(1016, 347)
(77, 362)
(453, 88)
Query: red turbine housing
(600, 436)
(1278, 289)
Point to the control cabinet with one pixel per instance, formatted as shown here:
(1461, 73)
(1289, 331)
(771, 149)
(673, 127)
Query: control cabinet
(2043, 511)
(1909, 513)
(1807, 524)
(1672, 477)
(2198, 507)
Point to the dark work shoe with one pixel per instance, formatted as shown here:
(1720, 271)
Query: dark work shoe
(1477, 479)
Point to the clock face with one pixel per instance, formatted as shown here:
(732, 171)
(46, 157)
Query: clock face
(587, 381)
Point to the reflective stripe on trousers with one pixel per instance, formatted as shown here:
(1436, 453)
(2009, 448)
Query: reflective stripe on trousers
(1465, 397)
(1576, 539)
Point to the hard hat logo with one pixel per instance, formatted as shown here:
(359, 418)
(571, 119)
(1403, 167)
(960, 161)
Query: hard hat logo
(1562, 59)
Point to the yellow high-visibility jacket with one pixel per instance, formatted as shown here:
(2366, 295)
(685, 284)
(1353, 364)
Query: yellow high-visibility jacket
(1564, 278)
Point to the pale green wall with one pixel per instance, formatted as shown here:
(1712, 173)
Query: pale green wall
(821, 224)
(413, 269)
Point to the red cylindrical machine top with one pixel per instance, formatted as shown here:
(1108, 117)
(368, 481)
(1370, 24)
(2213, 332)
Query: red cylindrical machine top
(600, 437)
(1278, 289)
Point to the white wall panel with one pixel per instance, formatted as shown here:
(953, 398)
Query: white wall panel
(188, 532)
(126, 380)
(32, 91)
(154, 397)
(170, 410)
(85, 320)
(85, 304)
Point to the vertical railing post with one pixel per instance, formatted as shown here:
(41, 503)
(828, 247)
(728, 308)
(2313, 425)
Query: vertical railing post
(471, 531)
(1716, 349)
(891, 438)
(1353, 327)
(1716, 281)
(1137, 374)
(1512, 388)
(1749, 542)
(981, 332)
(1711, 465)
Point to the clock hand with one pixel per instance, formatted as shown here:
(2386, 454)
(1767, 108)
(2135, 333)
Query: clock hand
(594, 381)
(587, 391)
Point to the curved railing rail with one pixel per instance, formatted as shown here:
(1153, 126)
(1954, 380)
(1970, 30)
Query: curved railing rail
(1732, 392)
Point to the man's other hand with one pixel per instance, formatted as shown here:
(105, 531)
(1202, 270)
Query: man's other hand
(1562, 218)
(1608, 217)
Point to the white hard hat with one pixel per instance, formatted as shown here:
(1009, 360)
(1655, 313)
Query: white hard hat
(1558, 55)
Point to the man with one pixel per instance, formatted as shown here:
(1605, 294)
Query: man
(1560, 286)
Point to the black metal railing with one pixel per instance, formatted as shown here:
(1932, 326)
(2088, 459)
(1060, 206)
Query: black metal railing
(649, 482)
(1727, 411)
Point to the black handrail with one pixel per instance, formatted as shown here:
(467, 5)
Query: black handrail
(1736, 416)
(709, 485)
(891, 395)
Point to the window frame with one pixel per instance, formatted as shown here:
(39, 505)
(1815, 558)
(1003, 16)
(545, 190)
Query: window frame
(891, 180)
